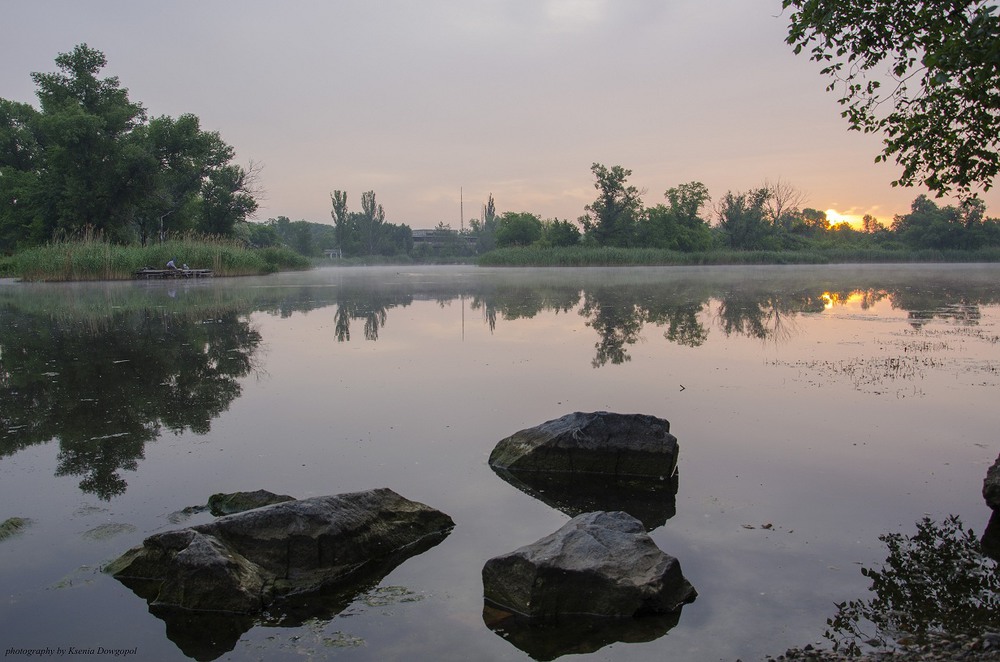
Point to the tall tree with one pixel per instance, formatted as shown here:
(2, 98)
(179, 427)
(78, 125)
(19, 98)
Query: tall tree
(940, 112)
(89, 177)
(228, 197)
(183, 157)
(88, 158)
(371, 222)
(338, 199)
(490, 215)
(611, 219)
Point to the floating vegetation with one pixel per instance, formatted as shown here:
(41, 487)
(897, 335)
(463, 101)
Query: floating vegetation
(342, 640)
(13, 526)
(108, 531)
(871, 373)
(383, 596)
(912, 357)
(82, 576)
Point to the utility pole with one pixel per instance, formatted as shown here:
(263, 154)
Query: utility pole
(461, 210)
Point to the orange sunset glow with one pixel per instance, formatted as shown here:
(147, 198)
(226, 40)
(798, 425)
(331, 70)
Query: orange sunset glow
(834, 218)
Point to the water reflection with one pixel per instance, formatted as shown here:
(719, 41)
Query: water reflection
(935, 581)
(578, 635)
(651, 501)
(106, 368)
(104, 386)
(208, 635)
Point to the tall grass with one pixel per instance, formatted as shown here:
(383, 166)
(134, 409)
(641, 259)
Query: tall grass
(92, 258)
(580, 256)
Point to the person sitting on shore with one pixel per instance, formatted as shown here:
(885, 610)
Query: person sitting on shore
(171, 265)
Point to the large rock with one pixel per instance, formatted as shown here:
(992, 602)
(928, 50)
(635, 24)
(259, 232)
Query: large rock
(991, 486)
(597, 564)
(244, 562)
(592, 443)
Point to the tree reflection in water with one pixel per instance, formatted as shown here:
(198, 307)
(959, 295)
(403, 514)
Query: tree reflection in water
(935, 582)
(105, 387)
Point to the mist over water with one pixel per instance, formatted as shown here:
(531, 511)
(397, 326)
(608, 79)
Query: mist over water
(816, 408)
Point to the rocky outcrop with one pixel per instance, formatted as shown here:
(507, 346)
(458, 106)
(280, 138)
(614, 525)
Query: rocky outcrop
(622, 445)
(598, 564)
(991, 486)
(247, 561)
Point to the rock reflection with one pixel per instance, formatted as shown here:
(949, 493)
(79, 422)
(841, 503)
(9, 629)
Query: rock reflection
(651, 501)
(207, 635)
(577, 635)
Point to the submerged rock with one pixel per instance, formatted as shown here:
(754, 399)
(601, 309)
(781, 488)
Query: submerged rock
(247, 561)
(991, 486)
(238, 502)
(597, 564)
(592, 443)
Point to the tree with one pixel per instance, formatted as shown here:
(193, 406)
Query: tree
(871, 225)
(339, 214)
(939, 113)
(227, 197)
(182, 157)
(490, 215)
(612, 218)
(742, 219)
(560, 233)
(678, 226)
(518, 229)
(88, 177)
(812, 222)
(370, 222)
(89, 159)
(782, 203)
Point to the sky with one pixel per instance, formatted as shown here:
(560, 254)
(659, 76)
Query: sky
(436, 104)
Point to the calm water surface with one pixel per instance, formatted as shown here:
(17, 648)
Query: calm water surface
(816, 408)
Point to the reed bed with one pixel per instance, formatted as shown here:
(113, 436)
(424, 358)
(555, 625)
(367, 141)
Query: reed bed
(93, 258)
(579, 256)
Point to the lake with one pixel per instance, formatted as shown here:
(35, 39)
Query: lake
(816, 408)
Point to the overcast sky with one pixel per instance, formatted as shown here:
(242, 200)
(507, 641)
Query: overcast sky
(421, 100)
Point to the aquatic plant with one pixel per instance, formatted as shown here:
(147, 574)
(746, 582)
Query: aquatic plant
(90, 257)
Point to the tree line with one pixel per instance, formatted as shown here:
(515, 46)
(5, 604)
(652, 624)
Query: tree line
(770, 217)
(90, 159)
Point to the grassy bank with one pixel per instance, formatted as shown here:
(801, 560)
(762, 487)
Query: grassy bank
(95, 259)
(578, 256)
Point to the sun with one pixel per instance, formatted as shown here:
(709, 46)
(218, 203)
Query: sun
(834, 217)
